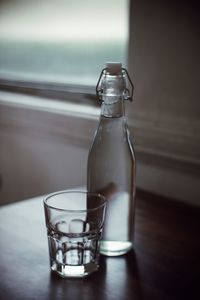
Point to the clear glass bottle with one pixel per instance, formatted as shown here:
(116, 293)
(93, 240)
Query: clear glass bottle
(111, 161)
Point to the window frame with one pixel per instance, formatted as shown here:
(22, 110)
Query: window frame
(80, 94)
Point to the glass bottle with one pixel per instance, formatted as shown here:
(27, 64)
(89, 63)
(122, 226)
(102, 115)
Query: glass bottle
(111, 161)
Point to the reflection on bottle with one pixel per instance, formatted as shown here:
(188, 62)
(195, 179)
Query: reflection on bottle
(108, 191)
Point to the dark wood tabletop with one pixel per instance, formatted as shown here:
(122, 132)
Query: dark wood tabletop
(163, 265)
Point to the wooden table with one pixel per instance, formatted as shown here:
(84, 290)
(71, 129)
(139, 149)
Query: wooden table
(163, 265)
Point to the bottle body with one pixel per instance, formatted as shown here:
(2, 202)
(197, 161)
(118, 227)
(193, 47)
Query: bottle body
(111, 171)
(111, 163)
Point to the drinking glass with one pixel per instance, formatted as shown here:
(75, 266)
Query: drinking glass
(74, 221)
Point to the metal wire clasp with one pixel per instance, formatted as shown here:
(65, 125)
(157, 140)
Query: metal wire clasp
(128, 92)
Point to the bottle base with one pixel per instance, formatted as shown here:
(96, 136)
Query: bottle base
(114, 248)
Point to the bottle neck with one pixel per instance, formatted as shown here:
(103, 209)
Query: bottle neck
(113, 109)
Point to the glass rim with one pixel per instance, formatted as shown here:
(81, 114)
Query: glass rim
(45, 200)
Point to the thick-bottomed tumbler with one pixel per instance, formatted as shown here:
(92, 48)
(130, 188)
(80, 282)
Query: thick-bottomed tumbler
(74, 221)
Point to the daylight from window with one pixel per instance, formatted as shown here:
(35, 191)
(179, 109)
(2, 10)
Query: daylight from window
(66, 41)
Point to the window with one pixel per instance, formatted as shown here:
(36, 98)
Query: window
(59, 43)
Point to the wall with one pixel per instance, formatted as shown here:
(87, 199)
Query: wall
(41, 152)
(164, 62)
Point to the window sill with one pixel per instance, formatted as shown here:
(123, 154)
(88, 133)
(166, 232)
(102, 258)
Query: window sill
(49, 105)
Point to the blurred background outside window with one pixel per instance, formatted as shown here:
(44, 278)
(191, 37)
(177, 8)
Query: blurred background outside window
(61, 41)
